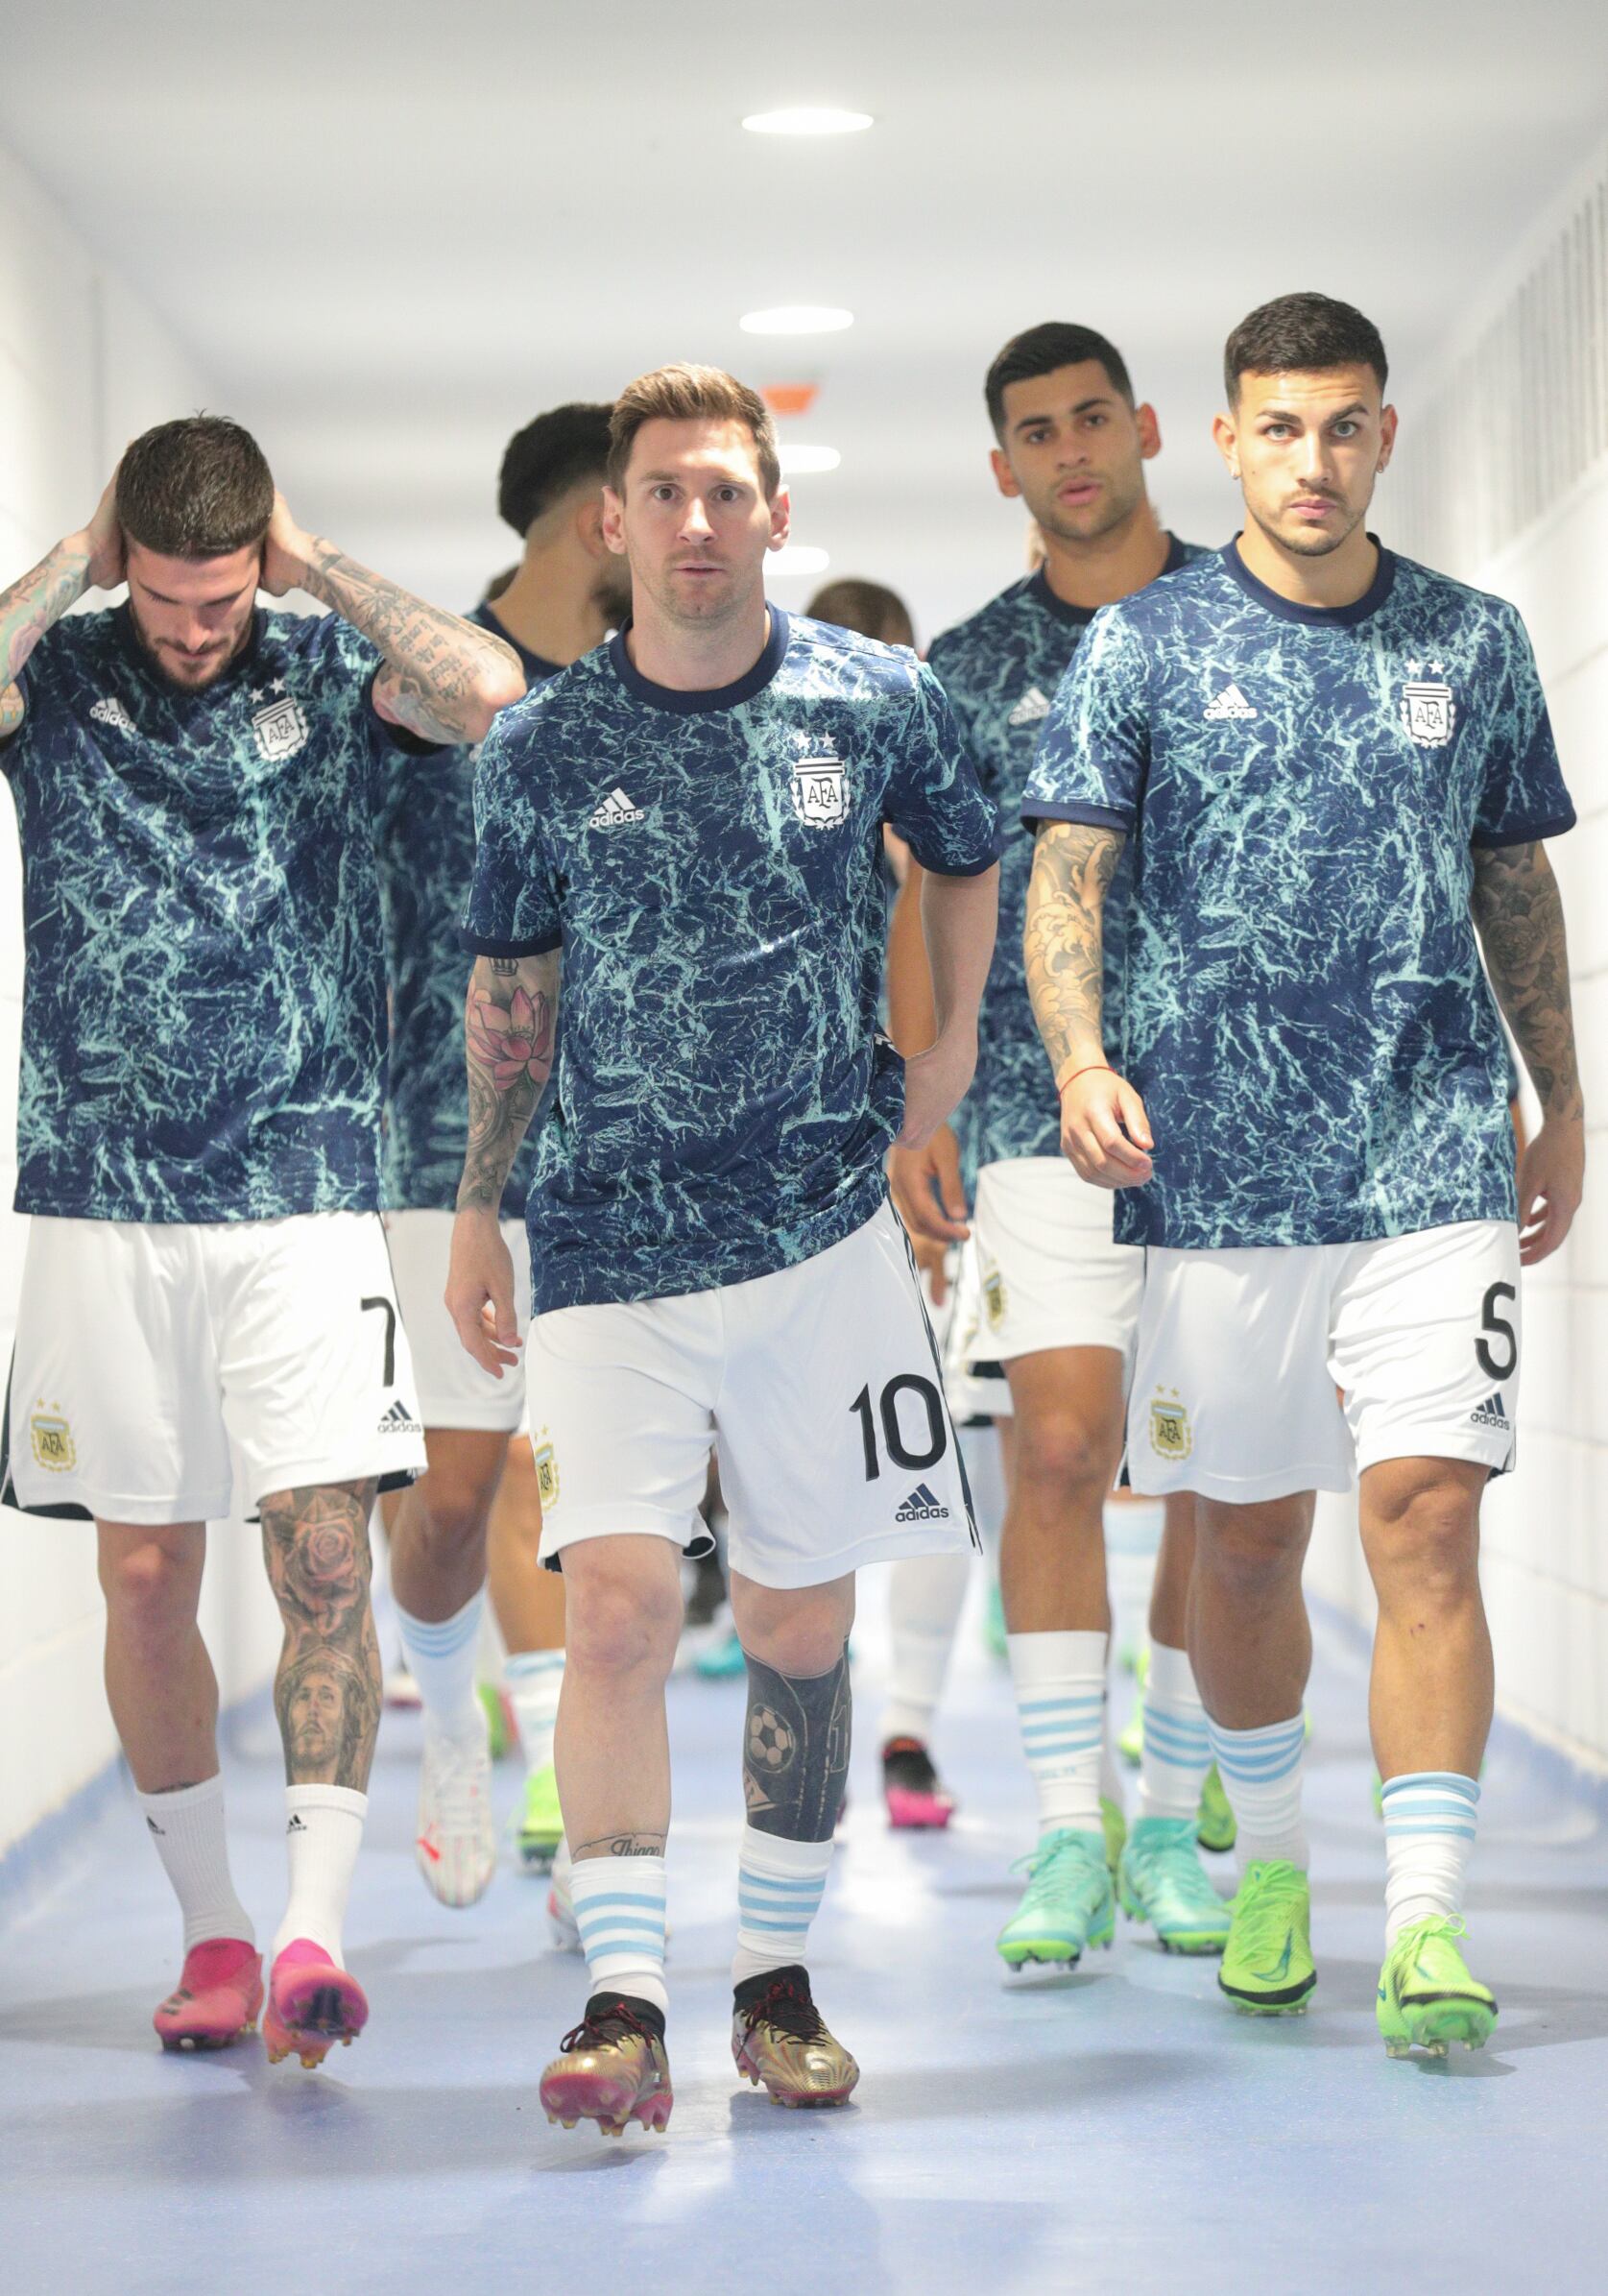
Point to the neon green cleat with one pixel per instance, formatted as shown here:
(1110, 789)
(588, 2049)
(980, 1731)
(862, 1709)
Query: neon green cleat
(1267, 1963)
(1164, 1882)
(1427, 1997)
(1068, 1903)
(1216, 1827)
(499, 1728)
(541, 1821)
(1130, 1745)
(1114, 1826)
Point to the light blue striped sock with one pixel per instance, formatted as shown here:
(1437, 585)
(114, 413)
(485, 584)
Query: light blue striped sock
(1261, 1773)
(1177, 1745)
(1431, 1819)
(779, 1887)
(440, 1656)
(1060, 1682)
(619, 1910)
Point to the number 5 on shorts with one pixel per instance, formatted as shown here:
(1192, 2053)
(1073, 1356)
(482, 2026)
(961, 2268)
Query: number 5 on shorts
(1491, 1321)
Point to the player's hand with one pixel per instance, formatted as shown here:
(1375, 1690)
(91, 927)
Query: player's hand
(480, 1292)
(932, 1266)
(102, 541)
(928, 1195)
(935, 1083)
(1551, 1180)
(1105, 1133)
(284, 552)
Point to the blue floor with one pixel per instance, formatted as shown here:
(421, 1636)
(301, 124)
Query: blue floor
(1116, 2130)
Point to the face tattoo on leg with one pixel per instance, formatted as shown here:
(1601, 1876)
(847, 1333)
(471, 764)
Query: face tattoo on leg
(796, 1750)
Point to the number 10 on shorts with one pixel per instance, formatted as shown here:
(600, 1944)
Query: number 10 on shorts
(925, 1402)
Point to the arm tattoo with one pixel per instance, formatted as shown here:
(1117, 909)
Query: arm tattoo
(796, 1750)
(1519, 913)
(436, 663)
(509, 1028)
(26, 611)
(1074, 864)
(326, 1692)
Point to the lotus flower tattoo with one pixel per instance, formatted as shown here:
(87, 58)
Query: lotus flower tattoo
(513, 1044)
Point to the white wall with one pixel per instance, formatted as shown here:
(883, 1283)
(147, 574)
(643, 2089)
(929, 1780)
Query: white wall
(1506, 485)
(84, 367)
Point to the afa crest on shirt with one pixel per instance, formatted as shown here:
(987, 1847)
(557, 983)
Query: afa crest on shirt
(1170, 1426)
(821, 791)
(1428, 711)
(546, 1471)
(52, 1439)
(280, 727)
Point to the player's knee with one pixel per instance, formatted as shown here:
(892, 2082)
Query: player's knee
(1249, 1554)
(1423, 1537)
(617, 1621)
(1058, 1451)
(454, 1508)
(151, 1590)
(798, 1643)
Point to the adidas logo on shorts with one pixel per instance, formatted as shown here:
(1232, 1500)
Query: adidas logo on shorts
(399, 1420)
(615, 811)
(1230, 703)
(1492, 1414)
(922, 1507)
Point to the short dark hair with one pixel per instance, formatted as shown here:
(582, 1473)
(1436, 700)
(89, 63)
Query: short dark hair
(196, 488)
(685, 394)
(1042, 350)
(560, 450)
(870, 608)
(1302, 335)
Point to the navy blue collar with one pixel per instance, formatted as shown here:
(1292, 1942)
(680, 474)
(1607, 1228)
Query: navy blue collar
(533, 666)
(1338, 618)
(687, 702)
(1079, 618)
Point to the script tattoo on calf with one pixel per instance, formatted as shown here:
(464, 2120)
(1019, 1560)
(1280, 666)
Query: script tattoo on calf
(327, 1693)
(1519, 911)
(796, 1751)
(622, 1845)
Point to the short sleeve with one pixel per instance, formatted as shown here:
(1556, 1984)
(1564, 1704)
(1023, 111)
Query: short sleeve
(1523, 794)
(513, 905)
(932, 797)
(947, 661)
(1094, 749)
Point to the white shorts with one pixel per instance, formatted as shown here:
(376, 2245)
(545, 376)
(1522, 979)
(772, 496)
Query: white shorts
(819, 1384)
(143, 1349)
(975, 1386)
(1241, 1354)
(452, 1389)
(1052, 1275)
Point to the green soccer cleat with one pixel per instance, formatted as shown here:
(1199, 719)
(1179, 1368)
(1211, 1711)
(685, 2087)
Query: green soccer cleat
(1267, 1962)
(1068, 1903)
(541, 1821)
(723, 1662)
(1216, 1828)
(1427, 1998)
(501, 1735)
(1114, 1826)
(1130, 1743)
(1164, 1882)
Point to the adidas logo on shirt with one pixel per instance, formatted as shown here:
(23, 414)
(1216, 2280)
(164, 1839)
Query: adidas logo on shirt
(1031, 709)
(1492, 1414)
(615, 811)
(399, 1420)
(1230, 703)
(922, 1507)
(111, 711)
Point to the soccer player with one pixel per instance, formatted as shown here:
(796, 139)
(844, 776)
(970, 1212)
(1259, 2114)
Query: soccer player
(204, 1016)
(1060, 1296)
(690, 819)
(1337, 773)
(568, 590)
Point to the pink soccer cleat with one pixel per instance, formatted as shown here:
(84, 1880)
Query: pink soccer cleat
(217, 1998)
(911, 1787)
(311, 2005)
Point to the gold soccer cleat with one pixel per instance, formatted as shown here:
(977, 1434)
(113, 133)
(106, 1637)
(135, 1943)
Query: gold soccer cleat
(780, 2038)
(613, 2069)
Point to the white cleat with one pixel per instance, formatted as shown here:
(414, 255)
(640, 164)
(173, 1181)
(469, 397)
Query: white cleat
(457, 1842)
(561, 1910)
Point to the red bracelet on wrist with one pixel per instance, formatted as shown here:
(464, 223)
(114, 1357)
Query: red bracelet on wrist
(1087, 1070)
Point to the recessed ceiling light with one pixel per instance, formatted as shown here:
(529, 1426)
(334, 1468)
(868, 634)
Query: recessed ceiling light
(797, 462)
(797, 318)
(798, 558)
(807, 119)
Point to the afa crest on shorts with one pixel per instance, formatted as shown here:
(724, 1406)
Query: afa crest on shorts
(1170, 1426)
(546, 1471)
(280, 728)
(821, 791)
(52, 1439)
(1428, 711)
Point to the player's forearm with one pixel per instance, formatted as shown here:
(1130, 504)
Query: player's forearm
(1074, 864)
(509, 1028)
(910, 1014)
(959, 919)
(448, 678)
(29, 608)
(1519, 913)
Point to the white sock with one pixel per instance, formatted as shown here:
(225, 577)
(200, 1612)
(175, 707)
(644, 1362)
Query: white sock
(925, 1596)
(441, 1657)
(1262, 1771)
(1430, 1817)
(324, 1833)
(1177, 1743)
(188, 1828)
(1133, 1532)
(535, 1679)
(1060, 1682)
(779, 1887)
(619, 1908)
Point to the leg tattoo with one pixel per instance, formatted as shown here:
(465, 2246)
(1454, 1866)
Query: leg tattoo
(796, 1751)
(326, 1694)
